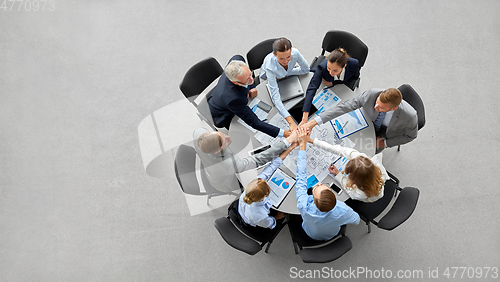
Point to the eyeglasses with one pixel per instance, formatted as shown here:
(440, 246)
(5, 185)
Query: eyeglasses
(249, 80)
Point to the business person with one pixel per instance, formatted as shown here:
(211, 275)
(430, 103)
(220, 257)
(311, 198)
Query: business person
(221, 164)
(363, 178)
(395, 120)
(321, 213)
(230, 97)
(337, 68)
(282, 62)
(254, 204)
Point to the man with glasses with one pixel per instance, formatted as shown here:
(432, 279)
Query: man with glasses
(321, 213)
(230, 98)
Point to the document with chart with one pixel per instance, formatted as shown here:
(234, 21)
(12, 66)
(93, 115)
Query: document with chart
(260, 113)
(325, 99)
(349, 123)
(278, 121)
(318, 160)
(281, 184)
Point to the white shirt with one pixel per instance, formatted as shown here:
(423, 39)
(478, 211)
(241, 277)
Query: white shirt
(348, 153)
(342, 75)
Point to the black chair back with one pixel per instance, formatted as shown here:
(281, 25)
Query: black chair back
(199, 77)
(351, 43)
(369, 211)
(256, 55)
(411, 96)
(185, 170)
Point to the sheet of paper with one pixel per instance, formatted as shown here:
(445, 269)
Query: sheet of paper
(325, 99)
(280, 183)
(278, 121)
(260, 113)
(349, 123)
(318, 160)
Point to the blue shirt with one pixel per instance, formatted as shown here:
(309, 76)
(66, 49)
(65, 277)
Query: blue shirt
(257, 213)
(317, 224)
(272, 70)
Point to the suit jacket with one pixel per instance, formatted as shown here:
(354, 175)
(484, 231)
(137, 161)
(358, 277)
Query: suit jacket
(228, 100)
(221, 168)
(350, 76)
(402, 128)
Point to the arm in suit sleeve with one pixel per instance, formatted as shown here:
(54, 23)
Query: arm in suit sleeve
(409, 133)
(246, 114)
(347, 106)
(270, 153)
(260, 158)
(353, 66)
(312, 88)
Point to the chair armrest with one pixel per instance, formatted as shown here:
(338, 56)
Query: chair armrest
(235, 238)
(393, 178)
(327, 253)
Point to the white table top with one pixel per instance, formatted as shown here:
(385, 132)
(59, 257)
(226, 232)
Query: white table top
(243, 140)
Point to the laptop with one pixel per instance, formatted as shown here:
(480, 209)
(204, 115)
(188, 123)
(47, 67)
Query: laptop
(290, 88)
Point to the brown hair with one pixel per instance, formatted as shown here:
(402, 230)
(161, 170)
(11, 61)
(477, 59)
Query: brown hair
(365, 175)
(326, 201)
(209, 143)
(256, 190)
(391, 96)
(281, 45)
(338, 56)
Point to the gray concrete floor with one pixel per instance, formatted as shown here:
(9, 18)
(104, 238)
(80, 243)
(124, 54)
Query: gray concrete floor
(77, 205)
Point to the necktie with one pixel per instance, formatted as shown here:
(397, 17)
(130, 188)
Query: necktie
(379, 120)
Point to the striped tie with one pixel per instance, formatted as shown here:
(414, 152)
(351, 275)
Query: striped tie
(378, 121)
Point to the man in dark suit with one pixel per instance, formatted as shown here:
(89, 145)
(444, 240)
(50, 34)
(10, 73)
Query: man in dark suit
(395, 120)
(230, 98)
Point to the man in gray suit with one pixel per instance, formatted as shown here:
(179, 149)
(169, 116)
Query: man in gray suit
(395, 120)
(221, 165)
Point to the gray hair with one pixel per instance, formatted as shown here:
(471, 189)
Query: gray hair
(234, 69)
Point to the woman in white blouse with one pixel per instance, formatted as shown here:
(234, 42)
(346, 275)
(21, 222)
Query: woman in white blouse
(363, 178)
(284, 61)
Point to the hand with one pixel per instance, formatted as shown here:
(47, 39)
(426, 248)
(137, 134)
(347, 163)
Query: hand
(293, 137)
(380, 143)
(287, 133)
(310, 125)
(252, 93)
(333, 170)
(302, 122)
(311, 140)
(291, 123)
(303, 135)
(279, 215)
(326, 83)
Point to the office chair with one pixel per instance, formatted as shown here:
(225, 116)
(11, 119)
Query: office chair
(233, 231)
(400, 211)
(411, 96)
(185, 172)
(342, 39)
(329, 251)
(196, 80)
(256, 55)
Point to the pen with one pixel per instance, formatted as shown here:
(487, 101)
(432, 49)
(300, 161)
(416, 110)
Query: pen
(343, 126)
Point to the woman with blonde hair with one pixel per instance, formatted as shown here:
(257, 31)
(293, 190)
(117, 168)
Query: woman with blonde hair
(254, 205)
(363, 178)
